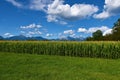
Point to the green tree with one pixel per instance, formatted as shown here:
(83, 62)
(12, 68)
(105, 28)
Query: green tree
(89, 39)
(116, 30)
(97, 35)
(108, 37)
(114, 36)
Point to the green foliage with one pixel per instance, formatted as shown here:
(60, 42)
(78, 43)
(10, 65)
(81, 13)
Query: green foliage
(79, 49)
(114, 36)
(37, 67)
(97, 35)
(89, 39)
(117, 24)
(116, 30)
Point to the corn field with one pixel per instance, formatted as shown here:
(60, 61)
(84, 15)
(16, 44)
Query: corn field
(78, 49)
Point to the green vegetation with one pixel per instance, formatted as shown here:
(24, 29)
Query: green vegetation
(114, 36)
(79, 49)
(97, 35)
(45, 67)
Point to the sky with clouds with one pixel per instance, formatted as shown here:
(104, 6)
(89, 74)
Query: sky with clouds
(57, 18)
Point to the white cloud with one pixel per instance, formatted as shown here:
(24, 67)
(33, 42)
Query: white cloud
(63, 23)
(31, 26)
(73, 35)
(62, 37)
(31, 33)
(102, 15)
(39, 4)
(51, 18)
(34, 32)
(22, 32)
(58, 10)
(82, 30)
(104, 29)
(49, 35)
(15, 3)
(60, 34)
(38, 32)
(31, 30)
(70, 32)
(111, 7)
(93, 29)
(109, 31)
(8, 35)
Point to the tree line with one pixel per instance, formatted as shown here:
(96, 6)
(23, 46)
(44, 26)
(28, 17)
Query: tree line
(114, 36)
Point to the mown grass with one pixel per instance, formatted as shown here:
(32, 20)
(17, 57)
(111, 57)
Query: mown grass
(44, 67)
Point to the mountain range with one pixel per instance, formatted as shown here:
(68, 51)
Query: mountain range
(24, 38)
(1, 38)
(68, 38)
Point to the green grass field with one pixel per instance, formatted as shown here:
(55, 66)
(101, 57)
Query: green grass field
(45, 67)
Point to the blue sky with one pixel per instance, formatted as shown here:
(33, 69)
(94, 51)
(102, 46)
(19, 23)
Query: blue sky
(57, 18)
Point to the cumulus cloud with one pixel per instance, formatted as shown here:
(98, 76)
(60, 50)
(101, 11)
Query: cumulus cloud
(73, 35)
(32, 33)
(102, 15)
(109, 31)
(111, 7)
(66, 33)
(60, 10)
(69, 32)
(15, 3)
(52, 18)
(31, 26)
(63, 22)
(57, 10)
(93, 29)
(30, 30)
(39, 4)
(104, 29)
(22, 31)
(82, 30)
(8, 35)
(49, 35)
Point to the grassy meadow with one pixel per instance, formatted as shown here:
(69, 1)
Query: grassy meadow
(45, 67)
(45, 60)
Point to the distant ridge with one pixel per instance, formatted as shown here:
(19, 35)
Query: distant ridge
(38, 38)
(68, 38)
(1, 38)
(23, 38)
(20, 37)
